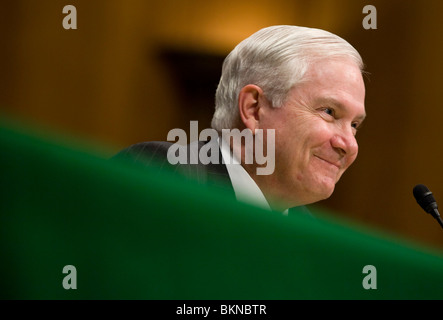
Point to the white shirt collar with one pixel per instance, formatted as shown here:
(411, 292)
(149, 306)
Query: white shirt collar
(245, 188)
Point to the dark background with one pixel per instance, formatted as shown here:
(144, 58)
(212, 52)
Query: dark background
(133, 70)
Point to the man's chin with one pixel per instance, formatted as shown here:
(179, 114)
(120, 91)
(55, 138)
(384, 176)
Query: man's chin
(315, 195)
(324, 192)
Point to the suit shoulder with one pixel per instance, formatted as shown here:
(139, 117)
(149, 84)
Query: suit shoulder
(144, 151)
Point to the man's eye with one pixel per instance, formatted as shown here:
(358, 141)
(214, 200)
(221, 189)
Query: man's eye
(329, 111)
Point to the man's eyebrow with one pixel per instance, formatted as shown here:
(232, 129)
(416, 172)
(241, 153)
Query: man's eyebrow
(338, 104)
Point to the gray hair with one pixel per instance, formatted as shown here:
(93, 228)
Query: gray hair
(275, 58)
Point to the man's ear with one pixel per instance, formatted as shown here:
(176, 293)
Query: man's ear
(249, 103)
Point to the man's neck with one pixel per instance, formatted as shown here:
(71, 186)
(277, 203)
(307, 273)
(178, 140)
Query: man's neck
(245, 187)
(266, 185)
(264, 182)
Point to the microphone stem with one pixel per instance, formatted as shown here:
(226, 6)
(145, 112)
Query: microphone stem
(440, 221)
(437, 216)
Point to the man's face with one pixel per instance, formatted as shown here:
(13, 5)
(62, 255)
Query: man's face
(315, 131)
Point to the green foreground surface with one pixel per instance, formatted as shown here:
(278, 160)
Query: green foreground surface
(150, 234)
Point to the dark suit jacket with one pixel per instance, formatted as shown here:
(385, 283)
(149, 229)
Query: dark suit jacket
(148, 153)
(155, 152)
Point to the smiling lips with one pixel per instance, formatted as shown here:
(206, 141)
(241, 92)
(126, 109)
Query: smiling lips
(336, 164)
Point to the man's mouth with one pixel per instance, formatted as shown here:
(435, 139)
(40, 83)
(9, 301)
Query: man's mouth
(336, 164)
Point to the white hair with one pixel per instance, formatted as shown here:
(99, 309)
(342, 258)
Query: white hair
(275, 58)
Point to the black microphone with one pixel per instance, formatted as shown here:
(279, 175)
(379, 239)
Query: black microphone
(427, 201)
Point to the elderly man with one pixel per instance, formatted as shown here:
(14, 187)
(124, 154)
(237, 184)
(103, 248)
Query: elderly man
(306, 86)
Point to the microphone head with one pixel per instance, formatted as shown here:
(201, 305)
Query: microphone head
(424, 198)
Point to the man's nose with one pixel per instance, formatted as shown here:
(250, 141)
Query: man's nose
(345, 142)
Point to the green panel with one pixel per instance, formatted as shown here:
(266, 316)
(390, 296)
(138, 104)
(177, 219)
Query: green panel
(150, 234)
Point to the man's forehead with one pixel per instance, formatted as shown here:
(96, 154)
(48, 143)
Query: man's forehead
(345, 69)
